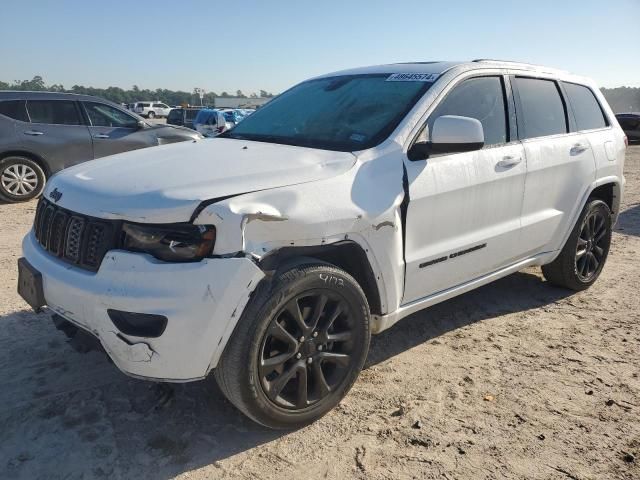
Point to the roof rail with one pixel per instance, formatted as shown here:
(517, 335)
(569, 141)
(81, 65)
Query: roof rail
(523, 64)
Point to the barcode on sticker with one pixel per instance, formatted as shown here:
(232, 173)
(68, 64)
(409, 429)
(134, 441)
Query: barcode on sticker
(412, 77)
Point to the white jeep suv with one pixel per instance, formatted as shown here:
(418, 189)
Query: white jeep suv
(151, 109)
(271, 253)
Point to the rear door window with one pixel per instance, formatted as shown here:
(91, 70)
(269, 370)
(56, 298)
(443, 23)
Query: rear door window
(585, 107)
(481, 98)
(16, 109)
(56, 112)
(542, 111)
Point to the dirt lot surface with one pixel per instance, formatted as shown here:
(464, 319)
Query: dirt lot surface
(515, 380)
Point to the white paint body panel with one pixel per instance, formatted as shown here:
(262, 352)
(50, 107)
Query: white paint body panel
(201, 308)
(169, 184)
(264, 197)
(458, 202)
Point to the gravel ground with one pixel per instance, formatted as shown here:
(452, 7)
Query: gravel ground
(517, 379)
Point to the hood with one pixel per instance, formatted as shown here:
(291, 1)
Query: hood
(165, 184)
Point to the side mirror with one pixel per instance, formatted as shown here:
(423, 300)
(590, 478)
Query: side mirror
(141, 124)
(450, 134)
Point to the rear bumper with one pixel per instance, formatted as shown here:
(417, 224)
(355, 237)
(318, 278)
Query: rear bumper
(202, 302)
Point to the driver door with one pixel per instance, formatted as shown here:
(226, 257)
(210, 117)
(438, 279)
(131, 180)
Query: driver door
(463, 216)
(114, 131)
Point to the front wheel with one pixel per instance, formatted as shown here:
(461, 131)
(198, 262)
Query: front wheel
(298, 347)
(583, 256)
(21, 179)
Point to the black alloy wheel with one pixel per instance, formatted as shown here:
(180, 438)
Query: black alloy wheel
(306, 351)
(585, 252)
(592, 245)
(298, 346)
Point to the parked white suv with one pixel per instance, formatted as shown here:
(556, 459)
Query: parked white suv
(151, 109)
(272, 252)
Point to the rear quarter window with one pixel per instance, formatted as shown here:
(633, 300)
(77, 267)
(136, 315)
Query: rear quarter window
(585, 106)
(16, 109)
(542, 111)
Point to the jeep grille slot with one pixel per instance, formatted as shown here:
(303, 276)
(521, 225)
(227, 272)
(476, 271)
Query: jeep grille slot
(74, 238)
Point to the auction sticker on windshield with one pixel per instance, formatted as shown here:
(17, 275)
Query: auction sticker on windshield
(412, 77)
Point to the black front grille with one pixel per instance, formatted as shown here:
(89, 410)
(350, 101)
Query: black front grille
(74, 238)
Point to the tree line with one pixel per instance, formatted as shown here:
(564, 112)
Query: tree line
(120, 95)
(621, 99)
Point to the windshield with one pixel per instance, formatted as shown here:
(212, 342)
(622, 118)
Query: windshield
(344, 113)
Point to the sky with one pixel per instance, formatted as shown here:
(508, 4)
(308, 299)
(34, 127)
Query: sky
(251, 45)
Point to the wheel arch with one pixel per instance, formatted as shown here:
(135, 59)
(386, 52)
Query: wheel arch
(348, 255)
(607, 189)
(609, 193)
(31, 156)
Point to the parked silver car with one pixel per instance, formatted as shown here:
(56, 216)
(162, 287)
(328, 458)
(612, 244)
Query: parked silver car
(43, 132)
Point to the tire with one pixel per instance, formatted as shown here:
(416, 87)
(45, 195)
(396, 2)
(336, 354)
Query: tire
(21, 179)
(584, 254)
(151, 115)
(275, 375)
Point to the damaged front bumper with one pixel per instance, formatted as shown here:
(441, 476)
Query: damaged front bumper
(202, 302)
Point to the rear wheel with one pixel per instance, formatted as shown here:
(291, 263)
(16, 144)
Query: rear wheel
(298, 347)
(585, 253)
(21, 179)
(152, 114)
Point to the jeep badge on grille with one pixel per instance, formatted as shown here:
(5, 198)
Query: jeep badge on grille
(55, 195)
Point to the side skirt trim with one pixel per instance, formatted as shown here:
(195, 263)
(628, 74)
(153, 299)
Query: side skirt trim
(381, 323)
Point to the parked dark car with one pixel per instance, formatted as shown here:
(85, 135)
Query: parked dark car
(630, 123)
(43, 132)
(183, 117)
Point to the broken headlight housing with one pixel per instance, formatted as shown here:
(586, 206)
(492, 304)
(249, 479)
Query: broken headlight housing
(181, 242)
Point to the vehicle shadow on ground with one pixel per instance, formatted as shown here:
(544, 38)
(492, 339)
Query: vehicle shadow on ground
(629, 221)
(516, 293)
(66, 414)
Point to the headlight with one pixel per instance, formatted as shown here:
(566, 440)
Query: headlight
(181, 242)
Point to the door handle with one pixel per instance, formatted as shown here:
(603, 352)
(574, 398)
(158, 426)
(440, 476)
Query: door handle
(578, 148)
(101, 135)
(509, 161)
(33, 133)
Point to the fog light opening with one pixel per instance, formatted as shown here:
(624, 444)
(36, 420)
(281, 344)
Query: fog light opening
(138, 324)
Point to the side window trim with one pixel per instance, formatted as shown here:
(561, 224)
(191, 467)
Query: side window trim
(569, 112)
(518, 104)
(83, 112)
(512, 118)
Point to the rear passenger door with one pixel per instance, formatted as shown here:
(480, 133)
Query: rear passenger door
(560, 163)
(56, 132)
(590, 120)
(463, 216)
